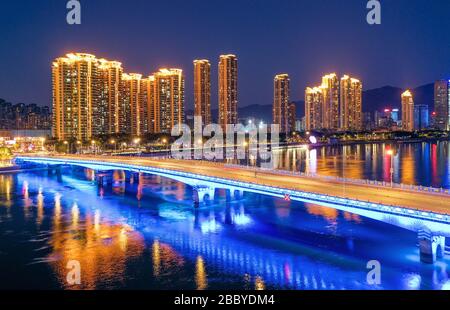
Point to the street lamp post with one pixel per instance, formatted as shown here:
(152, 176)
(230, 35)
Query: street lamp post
(246, 155)
(113, 142)
(391, 155)
(94, 147)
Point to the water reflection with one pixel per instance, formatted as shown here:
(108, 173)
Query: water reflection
(159, 240)
(414, 163)
(102, 248)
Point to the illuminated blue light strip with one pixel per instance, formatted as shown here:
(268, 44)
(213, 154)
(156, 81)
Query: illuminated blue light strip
(257, 188)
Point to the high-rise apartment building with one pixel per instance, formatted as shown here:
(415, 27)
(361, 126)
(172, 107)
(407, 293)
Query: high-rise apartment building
(330, 91)
(168, 99)
(407, 111)
(151, 112)
(350, 103)
(131, 96)
(314, 108)
(75, 93)
(292, 117)
(228, 99)
(202, 90)
(281, 85)
(421, 117)
(442, 104)
(335, 104)
(106, 112)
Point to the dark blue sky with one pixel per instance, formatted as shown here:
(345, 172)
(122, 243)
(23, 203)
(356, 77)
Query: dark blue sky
(305, 38)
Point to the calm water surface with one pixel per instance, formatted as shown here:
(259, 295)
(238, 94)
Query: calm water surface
(148, 235)
(424, 163)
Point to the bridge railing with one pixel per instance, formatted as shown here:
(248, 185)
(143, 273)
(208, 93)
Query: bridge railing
(374, 183)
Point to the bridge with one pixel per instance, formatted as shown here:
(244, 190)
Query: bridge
(426, 213)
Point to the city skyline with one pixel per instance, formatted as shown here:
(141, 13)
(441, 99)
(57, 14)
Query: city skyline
(52, 37)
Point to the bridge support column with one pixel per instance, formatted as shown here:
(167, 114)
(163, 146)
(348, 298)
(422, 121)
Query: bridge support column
(203, 193)
(103, 178)
(236, 194)
(431, 247)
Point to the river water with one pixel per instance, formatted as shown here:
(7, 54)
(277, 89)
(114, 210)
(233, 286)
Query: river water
(149, 235)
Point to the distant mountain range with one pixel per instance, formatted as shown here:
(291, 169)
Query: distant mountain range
(376, 99)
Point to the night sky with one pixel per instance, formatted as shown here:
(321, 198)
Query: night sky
(305, 38)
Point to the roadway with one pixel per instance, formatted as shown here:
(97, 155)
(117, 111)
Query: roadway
(434, 202)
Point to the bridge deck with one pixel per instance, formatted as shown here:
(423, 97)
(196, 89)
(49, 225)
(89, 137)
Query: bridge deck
(435, 202)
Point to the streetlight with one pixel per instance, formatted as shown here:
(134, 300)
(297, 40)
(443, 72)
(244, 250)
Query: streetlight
(67, 146)
(42, 143)
(136, 142)
(390, 153)
(94, 146)
(245, 144)
(113, 142)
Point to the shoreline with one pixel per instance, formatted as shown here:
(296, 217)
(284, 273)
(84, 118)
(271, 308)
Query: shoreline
(356, 142)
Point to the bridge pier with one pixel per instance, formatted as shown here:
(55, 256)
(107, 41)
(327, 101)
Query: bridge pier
(203, 193)
(132, 177)
(103, 178)
(236, 194)
(54, 169)
(431, 247)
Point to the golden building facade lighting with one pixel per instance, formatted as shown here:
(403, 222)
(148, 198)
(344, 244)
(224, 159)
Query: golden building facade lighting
(131, 105)
(74, 94)
(314, 102)
(351, 103)
(110, 88)
(407, 111)
(202, 90)
(228, 93)
(330, 90)
(281, 88)
(168, 99)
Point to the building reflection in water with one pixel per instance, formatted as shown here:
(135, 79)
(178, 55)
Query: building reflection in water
(208, 239)
(102, 248)
(200, 274)
(40, 207)
(166, 261)
(6, 185)
(414, 163)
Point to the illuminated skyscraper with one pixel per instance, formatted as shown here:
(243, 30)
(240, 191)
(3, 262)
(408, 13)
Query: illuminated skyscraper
(149, 84)
(351, 103)
(407, 111)
(228, 90)
(442, 104)
(292, 117)
(281, 101)
(144, 106)
(106, 114)
(168, 99)
(330, 91)
(202, 90)
(131, 95)
(75, 92)
(314, 108)
(421, 117)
